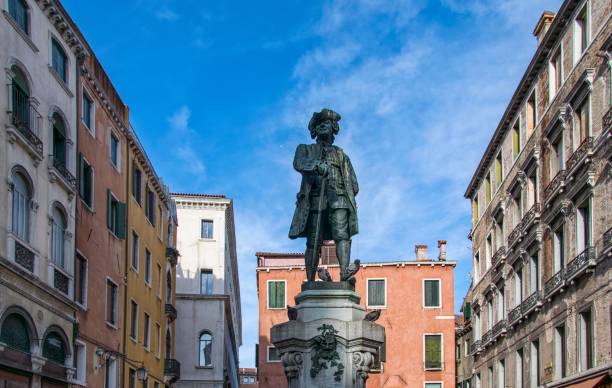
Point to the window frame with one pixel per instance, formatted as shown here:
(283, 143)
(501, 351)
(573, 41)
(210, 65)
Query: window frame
(516, 128)
(212, 229)
(150, 205)
(80, 361)
(114, 227)
(557, 55)
(135, 256)
(576, 37)
(62, 78)
(91, 127)
(284, 281)
(115, 322)
(134, 320)
(591, 342)
(146, 335)
(433, 382)
(111, 135)
(158, 331)
(212, 338)
(439, 280)
(148, 267)
(27, 215)
(368, 305)
(211, 273)
(28, 20)
(86, 165)
(441, 335)
(136, 168)
(268, 360)
(84, 281)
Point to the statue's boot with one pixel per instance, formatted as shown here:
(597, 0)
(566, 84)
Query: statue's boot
(343, 252)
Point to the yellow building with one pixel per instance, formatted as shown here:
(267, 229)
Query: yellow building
(150, 272)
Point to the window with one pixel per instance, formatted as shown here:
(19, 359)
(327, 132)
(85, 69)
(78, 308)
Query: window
(560, 356)
(534, 368)
(136, 183)
(534, 273)
(132, 381)
(501, 373)
(135, 244)
(205, 356)
(147, 267)
(377, 293)
(206, 229)
(555, 74)
(582, 127)
(146, 339)
(158, 340)
(20, 97)
(431, 292)
(111, 302)
(114, 149)
(499, 233)
(477, 266)
(150, 206)
(80, 362)
(433, 385)
(489, 251)
(273, 354)
(490, 377)
(581, 32)
(110, 373)
(518, 382)
(15, 333)
(88, 112)
(555, 160)
(58, 237)
(489, 314)
(531, 114)
(585, 340)
(532, 189)
(517, 202)
(477, 326)
(583, 229)
(498, 170)
(206, 282)
(518, 287)
(59, 141)
(58, 60)
(115, 216)
(558, 249)
(501, 304)
(161, 223)
(19, 13)
(433, 351)
(477, 384)
(516, 139)
(488, 189)
(80, 280)
(276, 294)
(475, 210)
(458, 352)
(86, 181)
(134, 320)
(54, 348)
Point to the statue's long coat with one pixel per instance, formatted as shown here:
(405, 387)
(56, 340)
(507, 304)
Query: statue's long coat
(305, 157)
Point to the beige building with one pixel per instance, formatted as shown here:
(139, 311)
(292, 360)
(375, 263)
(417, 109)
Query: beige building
(538, 311)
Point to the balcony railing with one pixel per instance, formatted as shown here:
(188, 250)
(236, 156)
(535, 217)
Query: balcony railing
(607, 119)
(530, 303)
(515, 234)
(499, 328)
(607, 240)
(580, 153)
(554, 185)
(555, 283)
(499, 256)
(533, 215)
(61, 281)
(172, 254)
(514, 314)
(24, 256)
(580, 264)
(60, 166)
(486, 338)
(170, 311)
(475, 347)
(172, 370)
(25, 118)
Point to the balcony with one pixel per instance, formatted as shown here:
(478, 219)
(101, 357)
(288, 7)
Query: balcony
(172, 370)
(580, 155)
(554, 284)
(514, 236)
(24, 123)
(170, 311)
(59, 172)
(61, 281)
(486, 338)
(24, 256)
(172, 254)
(607, 120)
(499, 329)
(475, 347)
(580, 265)
(555, 186)
(531, 303)
(514, 314)
(531, 217)
(607, 241)
(499, 257)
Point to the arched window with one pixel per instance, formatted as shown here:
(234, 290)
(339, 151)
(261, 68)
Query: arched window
(58, 233)
(59, 140)
(20, 99)
(205, 349)
(15, 333)
(54, 348)
(20, 224)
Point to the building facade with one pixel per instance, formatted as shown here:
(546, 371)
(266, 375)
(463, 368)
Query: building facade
(417, 303)
(248, 377)
(537, 313)
(39, 51)
(208, 292)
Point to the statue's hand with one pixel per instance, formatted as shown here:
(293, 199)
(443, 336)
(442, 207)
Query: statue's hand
(322, 168)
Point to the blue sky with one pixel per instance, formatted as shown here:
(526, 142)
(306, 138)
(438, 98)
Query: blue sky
(221, 93)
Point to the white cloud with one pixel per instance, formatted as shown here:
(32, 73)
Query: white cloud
(181, 138)
(165, 13)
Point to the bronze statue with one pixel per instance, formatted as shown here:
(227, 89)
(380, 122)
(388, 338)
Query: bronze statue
(325, 208)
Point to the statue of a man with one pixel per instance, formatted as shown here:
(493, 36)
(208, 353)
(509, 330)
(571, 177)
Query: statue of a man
(326, 208)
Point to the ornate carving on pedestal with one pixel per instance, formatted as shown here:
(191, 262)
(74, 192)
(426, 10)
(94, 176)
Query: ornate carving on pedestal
(362, 362)
(567, 207)
(324, 352)
(292, 362)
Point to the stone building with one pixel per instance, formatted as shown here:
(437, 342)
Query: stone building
(416, 299)
(208, 292)
(39, 51)
(537, 313)
(248, 377)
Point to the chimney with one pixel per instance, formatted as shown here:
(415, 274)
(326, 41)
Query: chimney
(442, 248)
(421, 252)
(543, 24)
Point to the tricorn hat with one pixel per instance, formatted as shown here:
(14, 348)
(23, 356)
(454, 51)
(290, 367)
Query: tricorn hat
(324, 114)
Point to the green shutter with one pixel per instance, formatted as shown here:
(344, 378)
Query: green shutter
(280, 294)
(121, 220)
(467, 312)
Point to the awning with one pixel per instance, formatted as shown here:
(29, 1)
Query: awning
(590, 383)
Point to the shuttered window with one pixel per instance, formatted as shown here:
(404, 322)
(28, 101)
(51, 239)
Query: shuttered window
(86, 179)
(276, 294)
(376, 293)
(115, 216)
(432, 293)
(433, 351)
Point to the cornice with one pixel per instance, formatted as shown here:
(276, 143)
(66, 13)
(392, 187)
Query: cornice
(64, 25)
(103, 98)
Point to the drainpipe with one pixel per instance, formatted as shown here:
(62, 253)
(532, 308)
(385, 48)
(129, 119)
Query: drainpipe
(126, 249)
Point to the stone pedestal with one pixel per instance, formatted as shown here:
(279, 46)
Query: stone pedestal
(328, 344)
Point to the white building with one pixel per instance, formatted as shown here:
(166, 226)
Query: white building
(207, 292)
(39, 51)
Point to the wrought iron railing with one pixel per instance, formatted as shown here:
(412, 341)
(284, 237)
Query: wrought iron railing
(474, 346)
(499, 255)
(554, 185)
(24, 256)
(61, 281)
(531, 215)
(576, 267)
(607, 239)
(60, 166)
(25, 118)
(486, 338)
(554, 283)
(499, 328)
(515, 234)
(607, 119)
(170, 311)
(172, 369)
(580, 153)
(530, 302)
(514, 314)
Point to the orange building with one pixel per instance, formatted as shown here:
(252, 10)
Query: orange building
(417, 302)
